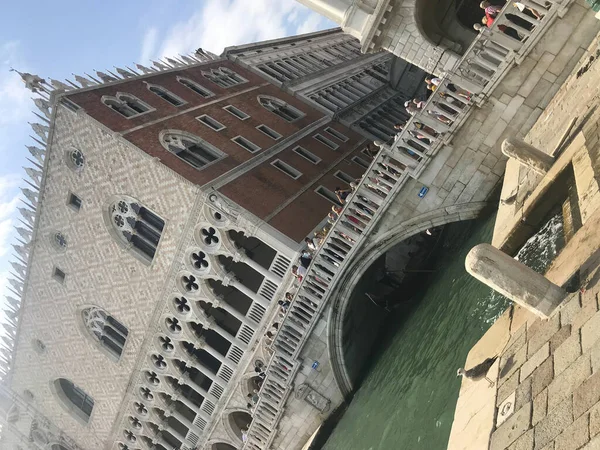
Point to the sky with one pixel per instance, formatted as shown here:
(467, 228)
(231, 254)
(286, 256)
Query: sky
(55, 39)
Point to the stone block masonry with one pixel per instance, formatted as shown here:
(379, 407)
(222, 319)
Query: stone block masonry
(564, 412)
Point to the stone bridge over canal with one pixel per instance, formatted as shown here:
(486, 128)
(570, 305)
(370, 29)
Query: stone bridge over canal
(445, 175)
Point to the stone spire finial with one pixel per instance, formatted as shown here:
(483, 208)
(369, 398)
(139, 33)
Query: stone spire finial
(160, 65)
(11, 313)
(30, 195)
(187, 59)
(83, 81)
(124, 73)
(144, 69)
(59, 85)
(13, 301)
(21, 269)
(104, 77)
(34, 174)
(174, 62)
(37, 153)
(32, 82)
(18, 285)
(27, 214)
(41, 130)
(43, 105)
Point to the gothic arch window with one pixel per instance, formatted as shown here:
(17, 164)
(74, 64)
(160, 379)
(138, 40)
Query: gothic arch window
(191, 149)
(105, 330)
(280, 108)
(126, 104)
(224, 77)
(165, 94)
(198, 89)
(136, 227)
(74, 399)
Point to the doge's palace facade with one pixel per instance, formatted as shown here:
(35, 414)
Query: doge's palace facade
(165, 207)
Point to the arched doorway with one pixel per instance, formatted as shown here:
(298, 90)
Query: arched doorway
(239, 422)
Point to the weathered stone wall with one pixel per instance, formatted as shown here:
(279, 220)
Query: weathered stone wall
(98, 272)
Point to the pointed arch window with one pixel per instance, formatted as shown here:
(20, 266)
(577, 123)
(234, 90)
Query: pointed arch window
(224, 77)
(138, 228)
(105, 330)
(165, 94)
(126, 104)
(192, 149)
(280, 108)
(74, 399)
(197, 88)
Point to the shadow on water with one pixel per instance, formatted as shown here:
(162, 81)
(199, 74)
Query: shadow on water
(408, 387)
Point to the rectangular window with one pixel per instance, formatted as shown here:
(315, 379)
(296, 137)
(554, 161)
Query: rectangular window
(211, 123)
(361, 162)
(236, 112)
(269, 132)
(74, 202)
(245, 143)
(329, 195)
(323, 140)
(58, 275)
(287, 169)
(344, 177)
(336, 134)
(307, 155)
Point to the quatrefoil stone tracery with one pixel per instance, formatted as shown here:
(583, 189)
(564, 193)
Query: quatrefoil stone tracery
(166, 344)
(209, 236)
(200, 260)
(173, 325)
(189, 283)
(182, 305)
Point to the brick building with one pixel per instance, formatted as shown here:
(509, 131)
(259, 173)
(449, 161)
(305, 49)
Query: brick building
(166, 206)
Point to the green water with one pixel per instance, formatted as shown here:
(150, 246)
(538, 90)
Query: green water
(407, 399)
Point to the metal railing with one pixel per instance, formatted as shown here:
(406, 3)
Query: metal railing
(478, 72)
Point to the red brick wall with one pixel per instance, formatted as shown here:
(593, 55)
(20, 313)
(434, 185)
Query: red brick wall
(262, 190)
(265, 189)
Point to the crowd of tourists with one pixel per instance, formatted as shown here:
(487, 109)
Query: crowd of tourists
(491, 13)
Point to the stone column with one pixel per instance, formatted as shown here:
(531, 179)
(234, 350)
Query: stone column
(201, 344)
(218, 303)
(187, 402)
(332, 9)
(514, 280)
(186, 380)
(231, 281)
(528, 155)
(260, 269)
(226, 335)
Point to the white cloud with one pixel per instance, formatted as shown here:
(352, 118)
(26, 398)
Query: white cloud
(222, 23)
(15, 102)
(149, 44)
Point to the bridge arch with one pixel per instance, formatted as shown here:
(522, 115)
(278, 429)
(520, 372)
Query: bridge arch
(374, 249)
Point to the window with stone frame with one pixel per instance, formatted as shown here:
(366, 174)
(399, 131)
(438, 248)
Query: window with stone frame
(280, 108)
(191, 149)
(74, 399)
(105, 330)
(197, 88)
(136, 227)
(224, 77)
(126, 104)
(165, 94)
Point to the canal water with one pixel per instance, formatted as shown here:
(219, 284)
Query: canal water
(408, 395)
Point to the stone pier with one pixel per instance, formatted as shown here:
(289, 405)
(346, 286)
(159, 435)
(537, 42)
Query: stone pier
(514, 280)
